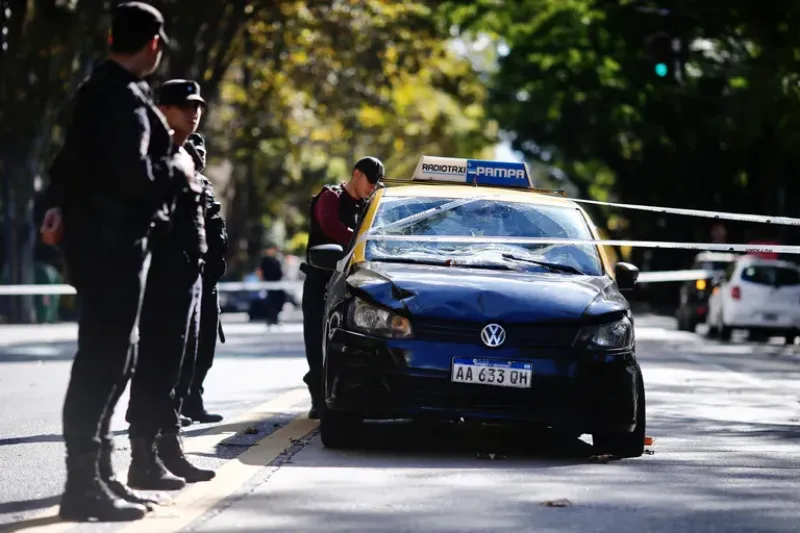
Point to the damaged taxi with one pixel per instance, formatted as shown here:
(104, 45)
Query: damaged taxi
(442, 307)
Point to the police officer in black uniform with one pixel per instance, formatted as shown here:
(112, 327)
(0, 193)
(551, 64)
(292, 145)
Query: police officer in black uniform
(170, 317)
(332, 219)
(193, 375)
(108, 184)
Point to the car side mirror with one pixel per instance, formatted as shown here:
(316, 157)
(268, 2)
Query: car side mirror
(626, 275)
(325, 256)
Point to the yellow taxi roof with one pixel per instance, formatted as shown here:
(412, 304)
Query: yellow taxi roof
(467, 191)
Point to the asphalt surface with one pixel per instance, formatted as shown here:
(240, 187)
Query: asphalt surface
(726, 456)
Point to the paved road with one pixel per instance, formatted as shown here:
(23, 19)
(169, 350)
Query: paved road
(725, 417)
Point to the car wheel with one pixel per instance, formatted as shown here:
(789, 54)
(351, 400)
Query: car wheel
(789, 339)
(339, 429)
(684, 324)
(628, 444)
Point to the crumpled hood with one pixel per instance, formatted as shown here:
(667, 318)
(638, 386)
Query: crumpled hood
(476, 295)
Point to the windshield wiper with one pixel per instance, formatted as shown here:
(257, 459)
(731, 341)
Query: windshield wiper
(557, 267)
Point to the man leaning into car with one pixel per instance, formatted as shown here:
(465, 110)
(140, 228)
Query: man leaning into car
(332, 218)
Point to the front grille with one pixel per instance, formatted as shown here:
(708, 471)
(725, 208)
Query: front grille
(517, 335)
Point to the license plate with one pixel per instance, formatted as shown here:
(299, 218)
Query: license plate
(516, 374)
(770, 316)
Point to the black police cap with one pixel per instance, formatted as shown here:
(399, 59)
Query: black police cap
(134, 23)
(371, 167)
(179, 92)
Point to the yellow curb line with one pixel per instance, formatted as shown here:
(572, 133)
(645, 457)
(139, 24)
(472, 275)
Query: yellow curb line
(48, 521)
(195, 501)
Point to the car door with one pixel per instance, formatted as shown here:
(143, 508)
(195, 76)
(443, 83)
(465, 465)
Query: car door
(756, 287)
(776, 289)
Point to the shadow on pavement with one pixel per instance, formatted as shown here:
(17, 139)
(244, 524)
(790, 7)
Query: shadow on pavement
(28, 505)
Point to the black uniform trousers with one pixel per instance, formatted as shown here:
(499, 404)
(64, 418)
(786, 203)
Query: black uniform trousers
(313, 306)
(110, 286)
(194, 372)
(170, 318)
(274, 304)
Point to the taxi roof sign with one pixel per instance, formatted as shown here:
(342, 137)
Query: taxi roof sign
(473, 172)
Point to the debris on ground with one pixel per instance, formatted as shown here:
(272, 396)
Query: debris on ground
(649, 452)
(603, 459)
(490, 456)
(648, 441)
(557, 503)
(250, 430)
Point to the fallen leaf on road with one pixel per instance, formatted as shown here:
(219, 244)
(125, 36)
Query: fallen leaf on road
(557, 503)
(490, 456)
(250, 430)
(605, 458)
(648, 441)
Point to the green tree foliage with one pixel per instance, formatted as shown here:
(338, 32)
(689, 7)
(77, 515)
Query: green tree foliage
(319, 85)
(297, 91)
(578, 90)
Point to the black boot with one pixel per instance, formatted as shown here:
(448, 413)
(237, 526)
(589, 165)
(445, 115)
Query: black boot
(315, 393)
(118, 487)
(87, 497)
(170, 450)
(194, 409)
(147, 472)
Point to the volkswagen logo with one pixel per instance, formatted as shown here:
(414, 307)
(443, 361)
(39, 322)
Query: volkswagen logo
(493, 335)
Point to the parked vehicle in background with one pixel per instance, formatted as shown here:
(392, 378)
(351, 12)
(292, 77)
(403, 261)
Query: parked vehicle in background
(759, 295)
(694, 294)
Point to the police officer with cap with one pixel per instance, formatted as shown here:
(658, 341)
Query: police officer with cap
(170, 316)
(107, 185)
(332, 219)
(193, 376)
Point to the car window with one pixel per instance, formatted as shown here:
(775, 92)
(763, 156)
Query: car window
(771, 275)
(487, 218)
(715, 265)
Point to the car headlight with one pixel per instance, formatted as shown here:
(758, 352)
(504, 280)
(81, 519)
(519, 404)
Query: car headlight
(376, 321)
(612, 336)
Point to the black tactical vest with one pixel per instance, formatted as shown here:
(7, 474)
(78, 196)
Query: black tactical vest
(349, 209)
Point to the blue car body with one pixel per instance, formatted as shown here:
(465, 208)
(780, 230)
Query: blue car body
(505, 331)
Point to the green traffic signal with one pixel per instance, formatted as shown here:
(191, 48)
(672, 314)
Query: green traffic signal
(661, 70)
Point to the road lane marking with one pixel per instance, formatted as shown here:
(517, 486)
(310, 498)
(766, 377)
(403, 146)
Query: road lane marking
(48, 521)
(200, 498)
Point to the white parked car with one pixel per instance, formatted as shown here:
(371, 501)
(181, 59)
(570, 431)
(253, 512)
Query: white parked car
(759, 295)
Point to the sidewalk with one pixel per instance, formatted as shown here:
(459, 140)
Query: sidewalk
(11, 334)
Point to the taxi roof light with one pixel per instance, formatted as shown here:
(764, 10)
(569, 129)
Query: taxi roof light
(453, 170)
(434, 170)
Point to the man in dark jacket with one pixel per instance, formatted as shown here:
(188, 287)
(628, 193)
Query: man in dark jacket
(272, 270)
(170, 318)
(108, 183)
(332, 218)
(194, 373)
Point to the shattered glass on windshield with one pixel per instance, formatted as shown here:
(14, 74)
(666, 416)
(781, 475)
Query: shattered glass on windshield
(484, 218)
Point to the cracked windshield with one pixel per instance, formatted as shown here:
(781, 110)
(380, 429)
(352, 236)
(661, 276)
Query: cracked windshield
(495, 220)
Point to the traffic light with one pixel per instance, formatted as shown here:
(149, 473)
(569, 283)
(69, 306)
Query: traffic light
(664, 57)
